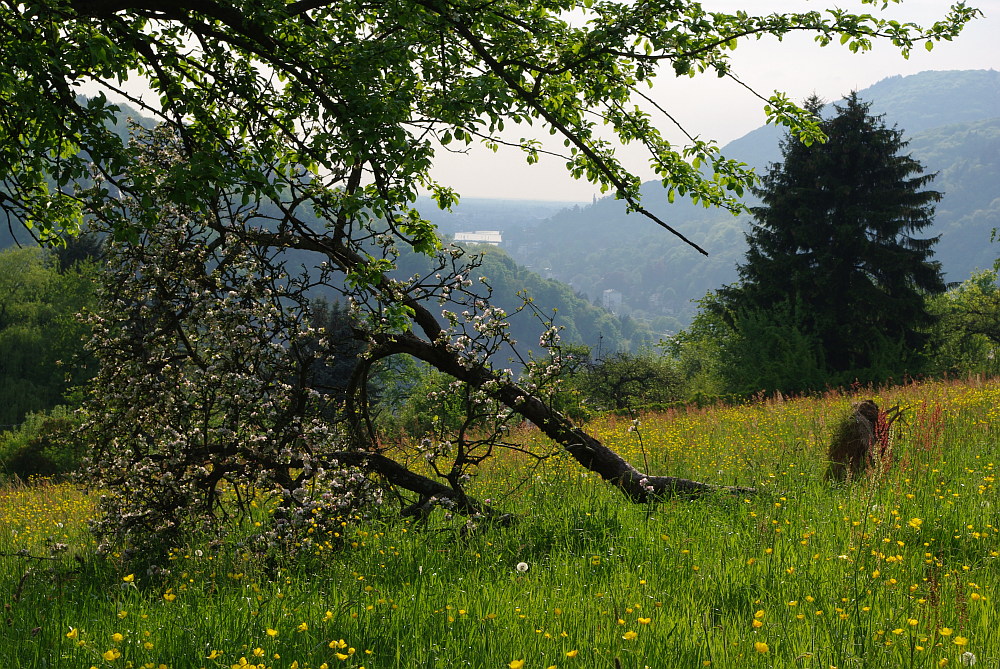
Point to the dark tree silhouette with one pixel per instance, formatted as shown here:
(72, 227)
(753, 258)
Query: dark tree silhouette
(836, 241)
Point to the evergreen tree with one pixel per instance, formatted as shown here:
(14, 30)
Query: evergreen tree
(834, 243)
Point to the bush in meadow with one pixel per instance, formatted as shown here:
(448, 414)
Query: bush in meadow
(40, 445)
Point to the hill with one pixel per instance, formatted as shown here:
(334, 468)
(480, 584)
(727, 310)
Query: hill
(952, 120)
(581, 320)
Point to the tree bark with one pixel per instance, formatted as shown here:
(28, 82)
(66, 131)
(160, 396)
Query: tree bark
(427, 488)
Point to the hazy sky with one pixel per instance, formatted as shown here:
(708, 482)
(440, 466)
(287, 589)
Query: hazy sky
(718, 108)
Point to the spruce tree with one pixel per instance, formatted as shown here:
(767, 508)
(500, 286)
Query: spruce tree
(834, 245)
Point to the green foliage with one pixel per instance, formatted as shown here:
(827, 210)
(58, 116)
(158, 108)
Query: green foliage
(768, 351)
(40, 446)
(41, 340)
(834, 251)
(742, 352)
(624, 380)
(698, 350)
(733, 354)
(966, 337)
(428, 405)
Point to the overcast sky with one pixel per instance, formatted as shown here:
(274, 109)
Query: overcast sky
(720, 109)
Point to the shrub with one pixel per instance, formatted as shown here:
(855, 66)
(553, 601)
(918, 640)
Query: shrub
(38, 447)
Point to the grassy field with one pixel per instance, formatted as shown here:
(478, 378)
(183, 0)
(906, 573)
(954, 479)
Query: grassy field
(900, 572)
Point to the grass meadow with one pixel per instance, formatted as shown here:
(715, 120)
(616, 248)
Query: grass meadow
(898, 572)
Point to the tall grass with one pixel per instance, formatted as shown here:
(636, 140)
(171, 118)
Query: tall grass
(897, 572)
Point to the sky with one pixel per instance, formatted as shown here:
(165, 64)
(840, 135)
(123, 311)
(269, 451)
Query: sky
(715, 108)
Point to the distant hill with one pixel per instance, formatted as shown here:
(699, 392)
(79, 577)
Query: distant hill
(581, 320)
(952, 120)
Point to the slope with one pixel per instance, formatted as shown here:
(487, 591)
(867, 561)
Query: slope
(952, 120)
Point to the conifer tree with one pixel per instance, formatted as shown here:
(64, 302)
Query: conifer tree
(835, 241)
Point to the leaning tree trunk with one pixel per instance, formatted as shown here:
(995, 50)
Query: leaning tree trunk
(590, 452)
(431, 348)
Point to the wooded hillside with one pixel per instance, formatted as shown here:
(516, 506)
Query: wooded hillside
(952, 120)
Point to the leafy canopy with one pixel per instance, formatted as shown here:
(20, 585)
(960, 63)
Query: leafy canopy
(363, 94)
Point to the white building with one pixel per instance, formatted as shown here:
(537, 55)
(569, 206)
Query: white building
(491, 237)
(611, 300)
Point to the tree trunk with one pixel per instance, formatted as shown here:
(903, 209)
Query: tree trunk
(585, 449)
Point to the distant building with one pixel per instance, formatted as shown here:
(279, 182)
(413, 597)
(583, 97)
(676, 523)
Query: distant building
(491, 237)
(611, 300)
